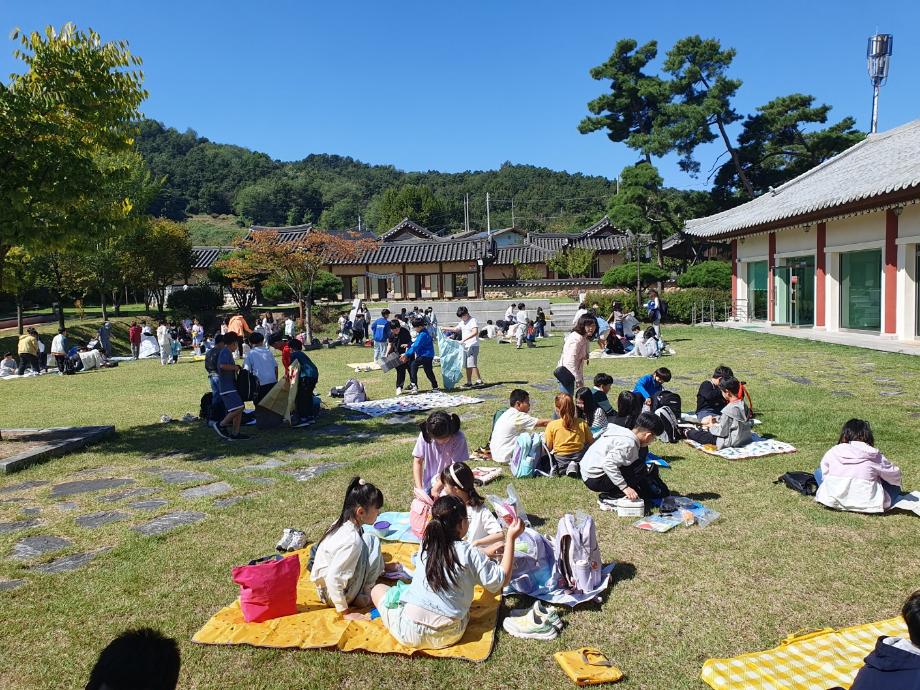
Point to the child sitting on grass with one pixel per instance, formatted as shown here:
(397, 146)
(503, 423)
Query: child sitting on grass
(732, 429)
(567, 437)
(512, 422)
(854, 475)
(434, 610)
(709, 399)
(347, 561)
(484, 531)
(587, 409)
(440, 443)
(8, 365)
(602, 385)
(650, 385)
(895, 661)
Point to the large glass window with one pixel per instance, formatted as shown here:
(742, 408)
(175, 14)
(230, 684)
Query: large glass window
(861, 290)
(757, 290)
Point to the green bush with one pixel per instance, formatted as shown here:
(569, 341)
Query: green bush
(605, 302)
(680, 302)
(624, 275)
(194, 301)
(325, 286)
(708, 274)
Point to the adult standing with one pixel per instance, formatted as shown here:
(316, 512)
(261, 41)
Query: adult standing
(134, 339)
(654, 311)
(468, 328)
(399, 341)
(289, 327)
(539, 323)
(197, 336)
(164, 340)
(520, 320)
(59, 347)
(576, 348)
(380, 332)
(28, 351)
(238, 324)
(358, 328)
(105, 338)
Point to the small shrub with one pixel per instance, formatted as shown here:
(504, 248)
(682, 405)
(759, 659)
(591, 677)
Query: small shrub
(194, 301)
(624, 275)
(680, 302)
(708, 274)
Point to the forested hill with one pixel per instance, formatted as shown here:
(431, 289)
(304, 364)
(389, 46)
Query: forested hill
(332, 191)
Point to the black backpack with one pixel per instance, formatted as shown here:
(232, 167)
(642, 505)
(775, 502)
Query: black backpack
(247, 385)
(803, 482)
(668, 399)
(210, 360)
(662, 307)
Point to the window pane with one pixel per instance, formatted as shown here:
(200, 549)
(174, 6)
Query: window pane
(757, 289)
(861, 290)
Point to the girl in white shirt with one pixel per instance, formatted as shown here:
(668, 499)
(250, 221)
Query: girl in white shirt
(348, 561)
(484, 531)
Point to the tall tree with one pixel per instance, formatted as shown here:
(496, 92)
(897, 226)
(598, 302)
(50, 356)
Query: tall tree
(572, 262)
(60, 273)
(415, 202)
(643, 205)
(630, 110)
(702, 101)
(293, 265)
(19, 278)
(164, 250)
(77, 98)
(775, 145)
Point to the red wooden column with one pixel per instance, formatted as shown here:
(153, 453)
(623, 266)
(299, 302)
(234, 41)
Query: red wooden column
(771, 259)
(820, 273)
(891, 271)
(734, 274)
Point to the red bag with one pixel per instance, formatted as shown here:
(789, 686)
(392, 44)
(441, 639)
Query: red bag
(420, 512)
(268, 590)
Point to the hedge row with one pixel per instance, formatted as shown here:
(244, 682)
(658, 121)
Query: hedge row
(680, 302)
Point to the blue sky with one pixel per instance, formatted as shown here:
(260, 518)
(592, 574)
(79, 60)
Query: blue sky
(466, 85)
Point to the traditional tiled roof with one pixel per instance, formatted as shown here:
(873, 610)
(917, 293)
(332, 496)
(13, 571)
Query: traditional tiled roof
(883, 168)
(413, 228)
(204, 257)
(423, 252)
(527, 253)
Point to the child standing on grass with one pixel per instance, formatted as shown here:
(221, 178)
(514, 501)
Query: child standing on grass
(440, 443)
(306, 384)
(854, 475)
(567, 437)
(484, 531)
(348, 561)
(434, 610)
(423, 351)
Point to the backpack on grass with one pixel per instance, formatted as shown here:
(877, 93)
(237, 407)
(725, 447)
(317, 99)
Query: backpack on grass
(803, 482)
(354, 392)
(526, 451)
(578, 557)
(668, 408)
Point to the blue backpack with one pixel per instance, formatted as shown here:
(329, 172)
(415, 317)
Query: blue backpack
(524, 459)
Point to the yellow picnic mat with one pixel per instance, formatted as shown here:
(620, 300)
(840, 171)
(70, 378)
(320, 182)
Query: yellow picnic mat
(814, 661)
(317, 625)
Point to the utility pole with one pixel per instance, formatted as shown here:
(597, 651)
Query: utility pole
(512, 212)
(488, 217)
(466, 212)
(359, 222)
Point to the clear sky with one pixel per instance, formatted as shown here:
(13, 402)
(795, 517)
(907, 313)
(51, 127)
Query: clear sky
(467, 85)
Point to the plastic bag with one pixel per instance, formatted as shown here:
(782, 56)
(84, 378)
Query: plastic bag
(507, 509)
(701, 514)
(452, 355)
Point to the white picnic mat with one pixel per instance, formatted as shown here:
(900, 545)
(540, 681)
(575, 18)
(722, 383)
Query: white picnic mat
(757, 448)
(411, 403)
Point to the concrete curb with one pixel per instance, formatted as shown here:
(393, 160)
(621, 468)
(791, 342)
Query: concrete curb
(73, 439)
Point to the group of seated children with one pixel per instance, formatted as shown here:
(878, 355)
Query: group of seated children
(433, 611)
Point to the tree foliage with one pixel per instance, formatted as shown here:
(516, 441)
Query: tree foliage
(279, 201)
(707, 274)
(76, 101)
(164, 254)
(194, 301)
(325, 286)
(416, 202)
(572, 262)
(624, 275)
(774, 146)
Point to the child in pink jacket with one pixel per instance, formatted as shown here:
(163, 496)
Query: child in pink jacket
(855, 476)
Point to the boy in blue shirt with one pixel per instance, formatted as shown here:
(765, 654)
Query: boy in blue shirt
(650, 385)
(423, 350)
(229, 426)
(380, 332)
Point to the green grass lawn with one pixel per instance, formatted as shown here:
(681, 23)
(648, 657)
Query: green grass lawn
(775, 563)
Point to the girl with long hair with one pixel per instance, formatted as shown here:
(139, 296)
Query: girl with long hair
(434, 610)
(567, 437)
(576, 347)
(348, 561)
(484, 531)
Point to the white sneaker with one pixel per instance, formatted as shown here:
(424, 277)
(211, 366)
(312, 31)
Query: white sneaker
(398, 391)
(540, 608)
(608, 504)
(297, 541)
(285, 538)
(531, 626)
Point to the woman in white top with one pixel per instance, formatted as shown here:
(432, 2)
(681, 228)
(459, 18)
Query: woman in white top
(576, 347)
(348, 561)
(468, 328)
(164, 340)
(484, 531)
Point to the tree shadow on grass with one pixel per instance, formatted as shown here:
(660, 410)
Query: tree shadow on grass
(195, 442)
(703, 496)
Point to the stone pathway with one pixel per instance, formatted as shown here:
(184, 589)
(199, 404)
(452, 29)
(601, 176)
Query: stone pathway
(6, 527)
(65, 564)
(34, 547)
(104, 517)
(86, 485)
(168, 522)
(206, 491)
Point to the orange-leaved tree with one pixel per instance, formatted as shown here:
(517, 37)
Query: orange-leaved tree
(294, 262)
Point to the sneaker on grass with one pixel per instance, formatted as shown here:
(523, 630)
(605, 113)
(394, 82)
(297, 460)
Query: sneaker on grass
(298, 540)
(239, 437)
(285, 538)
(219, 430)
(531, 626)
(540, 608)
(608, 504)
(306, 421)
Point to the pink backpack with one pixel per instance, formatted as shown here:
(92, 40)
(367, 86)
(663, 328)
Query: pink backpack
(268, 589)
(578, 557)
(420, 512)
